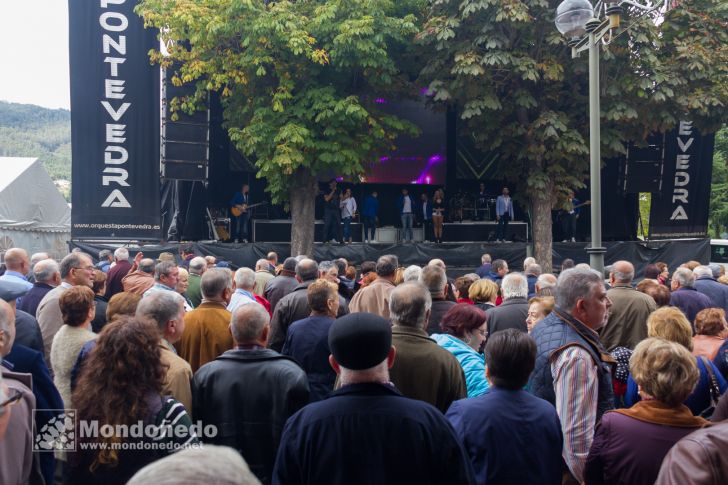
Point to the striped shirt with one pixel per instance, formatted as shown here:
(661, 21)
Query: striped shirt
(576, 388)
(173, 415)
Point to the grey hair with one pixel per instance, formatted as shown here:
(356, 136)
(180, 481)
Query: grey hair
(245, 278)
(261, 264)
(387, 265)
(121, 254)
(546, 280)
(160, 306)
(434, 279)
(44, 270)
(514, 285)
(620, 276)
(72, 261)
(247, 323)
(408, 304)
(104, 254)
(38, 257)
(576, 284)
(533, 269)
(528, 262)
(198, 265)
(206, 464)
(412, 273)
(163, 269)
(214, 282)
(715, 269)
(437, 262)
(485, 258)
(582, 266)
(146, 265)
(701, 271)
(325, 266)
(684, 277)
(307, 269)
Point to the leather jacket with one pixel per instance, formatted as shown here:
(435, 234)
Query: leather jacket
(697, 459)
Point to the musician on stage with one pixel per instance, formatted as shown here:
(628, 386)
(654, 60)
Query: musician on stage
(481, 204)
(239, 204)
(438, 214)
(332, 212)
(503, 214)
(569, 216)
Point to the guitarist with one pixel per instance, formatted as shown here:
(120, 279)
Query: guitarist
(240, 201)
(569, 216)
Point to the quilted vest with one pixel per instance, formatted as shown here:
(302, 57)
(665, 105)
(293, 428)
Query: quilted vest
(560, 330)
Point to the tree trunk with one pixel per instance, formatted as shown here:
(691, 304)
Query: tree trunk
(302, 197)
(542, 201)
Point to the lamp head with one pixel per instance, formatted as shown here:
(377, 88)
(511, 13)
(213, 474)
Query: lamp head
(572, 16)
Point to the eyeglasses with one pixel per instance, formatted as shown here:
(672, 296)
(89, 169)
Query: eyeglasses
(482, 332)
(85, 268)
(14, 396)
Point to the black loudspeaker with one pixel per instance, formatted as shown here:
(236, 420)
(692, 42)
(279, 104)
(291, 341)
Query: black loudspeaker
(641, 169)
(185, 140)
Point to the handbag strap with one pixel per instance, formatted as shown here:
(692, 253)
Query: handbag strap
(714, 387)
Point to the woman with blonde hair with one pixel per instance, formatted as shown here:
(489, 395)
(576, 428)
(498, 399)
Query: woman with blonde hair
(538, 308)
(629, 444)
(483, 293)
(670, 324)
(710, 332)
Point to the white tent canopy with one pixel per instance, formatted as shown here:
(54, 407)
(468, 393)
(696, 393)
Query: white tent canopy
(33, 214)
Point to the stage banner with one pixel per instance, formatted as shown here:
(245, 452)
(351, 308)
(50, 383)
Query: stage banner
(114, 122)
(681, 208)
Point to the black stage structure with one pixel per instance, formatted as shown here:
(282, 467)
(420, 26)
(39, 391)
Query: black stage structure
(140, 176)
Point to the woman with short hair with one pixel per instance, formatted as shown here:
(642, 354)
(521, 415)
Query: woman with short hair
(483, 293)
(78, 309)
(710, 332)
(669, 323)
(126, 370)
(539, 308)
(464, 334)
(630, 444)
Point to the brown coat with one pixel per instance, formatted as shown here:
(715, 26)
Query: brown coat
(374, 298)
(137, 282)
(423, 370)
(706, 345)
(697, 459)
(207, 334)
(627, 324)
(178, 381)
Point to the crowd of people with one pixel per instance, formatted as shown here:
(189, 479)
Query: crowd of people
(322, 372)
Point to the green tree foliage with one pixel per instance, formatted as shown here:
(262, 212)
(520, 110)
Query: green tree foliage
(298, 82)
(512, 76)
(32, 131)
(718, 220)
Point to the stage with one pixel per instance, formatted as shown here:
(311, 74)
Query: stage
(459, 257)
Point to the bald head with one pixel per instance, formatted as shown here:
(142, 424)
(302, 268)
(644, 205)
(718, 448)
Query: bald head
(16, 259)
(47, 271)
(7, 327)
(622, 272)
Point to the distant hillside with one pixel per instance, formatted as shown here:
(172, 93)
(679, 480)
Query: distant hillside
(27, 130)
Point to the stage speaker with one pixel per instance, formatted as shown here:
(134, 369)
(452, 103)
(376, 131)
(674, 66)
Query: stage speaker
(641, 169)
(186, 140)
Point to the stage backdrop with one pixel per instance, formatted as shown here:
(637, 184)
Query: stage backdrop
(114, 123)
(680, 209)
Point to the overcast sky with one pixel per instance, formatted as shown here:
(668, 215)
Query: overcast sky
(34, 52)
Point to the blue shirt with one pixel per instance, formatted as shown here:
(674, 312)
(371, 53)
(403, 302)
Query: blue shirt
(371, 207)
(15, 277)
(240, 298)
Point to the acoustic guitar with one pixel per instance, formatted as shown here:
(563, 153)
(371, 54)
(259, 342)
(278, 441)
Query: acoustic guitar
(238, 210)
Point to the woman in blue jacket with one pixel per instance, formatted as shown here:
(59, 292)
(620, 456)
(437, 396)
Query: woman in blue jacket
(464, 334)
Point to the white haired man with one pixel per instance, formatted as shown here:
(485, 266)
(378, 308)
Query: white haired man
(262, 276)
(513, 311)
(117, 272)
(244, 283)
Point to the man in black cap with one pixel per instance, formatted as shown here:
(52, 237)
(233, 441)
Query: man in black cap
(366, 431)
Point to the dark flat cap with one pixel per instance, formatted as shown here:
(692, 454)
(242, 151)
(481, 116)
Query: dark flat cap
(9, 290)
(360, 341)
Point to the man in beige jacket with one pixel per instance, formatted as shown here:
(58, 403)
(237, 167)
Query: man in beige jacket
(167, 309)
(374, 298)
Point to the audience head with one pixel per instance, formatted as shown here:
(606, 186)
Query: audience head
(669, 323)
(185, 250)
(466, 322)
(36, 258)
(511, 356)
(622, 273)
(437, 262)
(462, 287)
(539, 308)
(341, 265)
(198, 265)
(483, 291)
(167, 273)
(665, 371)
(533, 269)
(683, 277)
(77, 269)
(367, 267)
(289, 266)
(664, 270)
(245, 279)
(323, 297)
(329, 271)
(183, 282)
(514, 285)
(581, 293)
(215, 284)
(7, 328)
(568, 263)
(77, 306)
(47, 271)
(702, 272)
(99, 282)
(528, 262)
(272, 258)
(16, 259)
(211, 261)
(122, 304)
(209, 464)
(412, 273)
(361, 347)
(546, 285)
(585, 266)
(651, 272)
(485, 258)
(147, 265)
(262, 265)
(250, 324)
(435, 280)
(307, 270)
(121, 254)
(105, 255)
(167, 310)
(500, 267)
(711, 321)
(717, 269)
(410, 304)
(399, 276)
(657, 291)
(691, 265)
(387, 266)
